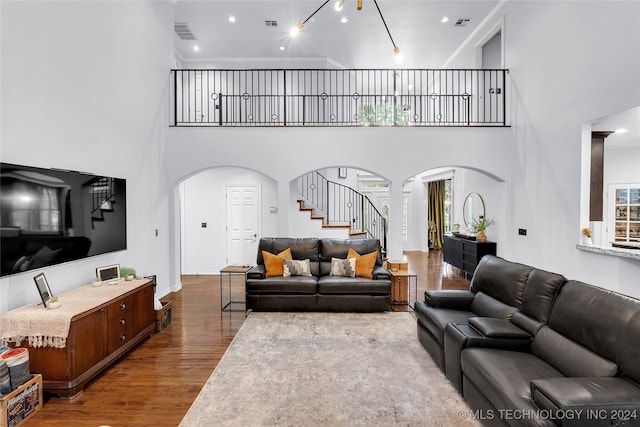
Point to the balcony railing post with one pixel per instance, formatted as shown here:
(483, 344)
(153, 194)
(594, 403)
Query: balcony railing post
(175, 97)
(284, 100)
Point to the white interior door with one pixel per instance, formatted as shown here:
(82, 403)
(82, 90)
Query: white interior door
(243, 224)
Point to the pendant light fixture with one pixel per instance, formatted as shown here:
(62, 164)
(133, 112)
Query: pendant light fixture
(339, 4)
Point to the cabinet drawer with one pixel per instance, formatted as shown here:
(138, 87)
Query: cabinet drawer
(121, 327)
(469, 247)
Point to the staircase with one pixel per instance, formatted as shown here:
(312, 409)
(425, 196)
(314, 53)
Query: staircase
(340, 206)
(102, 194)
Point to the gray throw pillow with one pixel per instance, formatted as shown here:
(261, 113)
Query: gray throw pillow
(294, 267)
(343, 267)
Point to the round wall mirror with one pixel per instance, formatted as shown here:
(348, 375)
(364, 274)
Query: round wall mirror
(473, 208)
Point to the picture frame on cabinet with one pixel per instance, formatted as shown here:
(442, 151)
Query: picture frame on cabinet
(43, 288)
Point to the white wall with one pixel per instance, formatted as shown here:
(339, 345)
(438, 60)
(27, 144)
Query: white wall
(570, 62)
(203, 194)
(84, 87)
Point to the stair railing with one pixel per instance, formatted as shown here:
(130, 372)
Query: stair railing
(341, 204)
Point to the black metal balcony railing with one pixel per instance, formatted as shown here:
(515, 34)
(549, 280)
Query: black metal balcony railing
(356, 97)
(340, 204)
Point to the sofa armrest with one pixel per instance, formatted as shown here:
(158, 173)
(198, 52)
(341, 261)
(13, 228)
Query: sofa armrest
(452, 299)
(498, 328)
(589, 401)
(381, 273)
(257, 272)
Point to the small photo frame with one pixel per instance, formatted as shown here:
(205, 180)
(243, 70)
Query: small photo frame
(109, 272)
(342, 172)
(43, 288)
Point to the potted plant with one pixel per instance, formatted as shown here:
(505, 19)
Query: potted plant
(480, 226)
(54, 302)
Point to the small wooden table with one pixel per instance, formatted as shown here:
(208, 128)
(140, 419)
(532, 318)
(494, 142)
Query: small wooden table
(229, 271)
(401, 287)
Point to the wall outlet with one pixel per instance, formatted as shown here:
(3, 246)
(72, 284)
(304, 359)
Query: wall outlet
(522, 231)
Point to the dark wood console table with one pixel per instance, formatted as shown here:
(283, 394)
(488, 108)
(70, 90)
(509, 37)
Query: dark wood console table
(465, 254)
(105, 323)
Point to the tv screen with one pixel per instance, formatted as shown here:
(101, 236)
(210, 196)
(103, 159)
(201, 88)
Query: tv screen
(51, 216)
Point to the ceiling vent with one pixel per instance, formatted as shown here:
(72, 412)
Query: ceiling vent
(271, 23)
(461, 22)
(183, 31)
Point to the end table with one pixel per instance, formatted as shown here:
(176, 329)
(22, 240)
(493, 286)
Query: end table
(228, 272)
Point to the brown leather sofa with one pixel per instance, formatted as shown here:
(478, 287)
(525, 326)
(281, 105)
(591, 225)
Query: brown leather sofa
(565, 355)
(320, 291)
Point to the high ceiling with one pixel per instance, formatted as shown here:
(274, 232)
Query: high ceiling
(362, 42)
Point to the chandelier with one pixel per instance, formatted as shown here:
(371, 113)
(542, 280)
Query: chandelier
(295, 31)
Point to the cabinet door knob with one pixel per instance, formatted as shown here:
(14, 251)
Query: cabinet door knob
(123, 337)
(122, 322)
(123, 306)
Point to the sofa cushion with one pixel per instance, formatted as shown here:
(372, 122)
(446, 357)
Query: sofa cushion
(501, 279)
(354, 286)
(592, 317)
(364, 263)
(569, 357)
(343, 267)
(301, 248)
(435, 320)
(486, 306)
(294, 267)
(274, 263)
(505, 376)
(338, 248)
(564, 394)
(283, 285)
(628, 349)
(540, 293)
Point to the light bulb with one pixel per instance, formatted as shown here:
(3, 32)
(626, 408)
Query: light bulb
(399, 55)
(295, 31)
(338, 5)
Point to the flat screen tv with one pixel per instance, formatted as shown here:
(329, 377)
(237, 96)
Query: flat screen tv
(51, 216)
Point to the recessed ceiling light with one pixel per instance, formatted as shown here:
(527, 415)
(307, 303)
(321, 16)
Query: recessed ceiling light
(232, 19)
(622, 130)
(444, 19)
(282, 48)
(196, 48)
(344, 19)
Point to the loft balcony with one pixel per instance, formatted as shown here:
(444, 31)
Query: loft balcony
(340, 98)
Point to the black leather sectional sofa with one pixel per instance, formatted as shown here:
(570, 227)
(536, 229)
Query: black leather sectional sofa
(321, 291)
(526, 347)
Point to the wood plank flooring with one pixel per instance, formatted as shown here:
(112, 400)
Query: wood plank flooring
(155, 383)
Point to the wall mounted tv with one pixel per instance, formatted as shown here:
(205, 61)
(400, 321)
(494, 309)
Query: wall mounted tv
(51, 216)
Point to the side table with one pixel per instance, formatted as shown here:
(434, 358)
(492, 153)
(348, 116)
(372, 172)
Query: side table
(401, 287)
(228, 272)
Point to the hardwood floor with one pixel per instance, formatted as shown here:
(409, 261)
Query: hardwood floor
(156, 382)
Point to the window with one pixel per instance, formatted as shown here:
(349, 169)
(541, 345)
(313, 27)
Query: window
(625, 207)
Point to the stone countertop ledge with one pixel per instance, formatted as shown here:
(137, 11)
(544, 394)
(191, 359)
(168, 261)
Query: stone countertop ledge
(619, 252)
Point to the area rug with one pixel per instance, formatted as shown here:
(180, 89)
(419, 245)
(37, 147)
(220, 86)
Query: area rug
(327, 369)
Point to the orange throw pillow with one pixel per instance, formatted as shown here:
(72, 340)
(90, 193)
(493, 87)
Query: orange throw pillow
(364, 263)
(273, 263)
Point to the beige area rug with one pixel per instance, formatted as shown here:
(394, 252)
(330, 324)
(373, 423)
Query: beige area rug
(327, 369)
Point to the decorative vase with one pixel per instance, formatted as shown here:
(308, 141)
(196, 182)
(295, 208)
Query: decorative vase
(481, 237)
